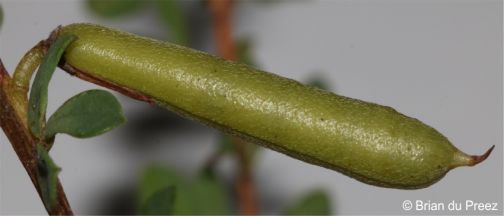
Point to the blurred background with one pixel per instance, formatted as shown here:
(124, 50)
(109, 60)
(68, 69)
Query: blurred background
(436, 60)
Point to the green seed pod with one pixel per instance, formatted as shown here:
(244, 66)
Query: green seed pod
(372, 143)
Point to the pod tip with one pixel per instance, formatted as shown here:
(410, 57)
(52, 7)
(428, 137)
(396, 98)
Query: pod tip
(476, 159)
(462, 159)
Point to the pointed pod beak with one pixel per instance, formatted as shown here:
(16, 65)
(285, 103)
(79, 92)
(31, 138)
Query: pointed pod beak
(462, 159)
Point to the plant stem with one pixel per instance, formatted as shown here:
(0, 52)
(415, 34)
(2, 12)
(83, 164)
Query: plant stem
(221, 11)
(23, 141)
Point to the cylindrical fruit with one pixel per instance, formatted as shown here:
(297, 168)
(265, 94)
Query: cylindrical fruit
(369, 142)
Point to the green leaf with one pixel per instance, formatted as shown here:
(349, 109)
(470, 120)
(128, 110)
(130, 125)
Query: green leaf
(202, 195)
(47, 177)
(206, 196)
(225, 144)
(244, 51)
(86, 114)
(313, 203)
(37, 103)
(172, 14)
(154, 179)
(113, 8)
(160, 203)
(318, 82)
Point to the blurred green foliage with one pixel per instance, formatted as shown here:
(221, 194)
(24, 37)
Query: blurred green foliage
(313, 203)
(318, 82)
(113, 8)
(244, 52)
(170, 12)
(172, 15)
(199, 196)
(159, 203)
(227, 146)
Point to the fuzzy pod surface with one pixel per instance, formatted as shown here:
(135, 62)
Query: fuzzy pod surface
(372, 143)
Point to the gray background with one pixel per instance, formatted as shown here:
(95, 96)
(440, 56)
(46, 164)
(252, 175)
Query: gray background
(439, 61)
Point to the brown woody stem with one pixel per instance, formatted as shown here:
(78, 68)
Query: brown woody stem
(23, 141)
